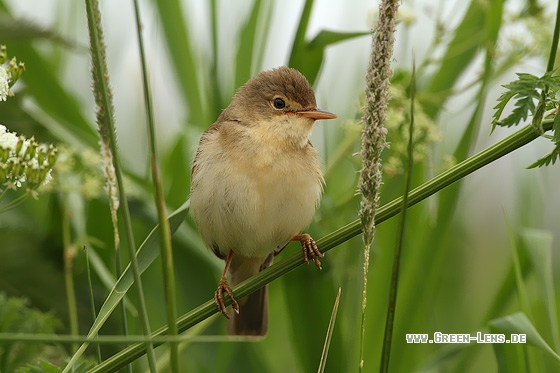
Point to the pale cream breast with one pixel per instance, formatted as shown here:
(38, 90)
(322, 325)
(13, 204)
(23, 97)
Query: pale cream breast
(252, 193)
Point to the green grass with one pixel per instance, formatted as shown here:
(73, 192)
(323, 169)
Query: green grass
(464, 268)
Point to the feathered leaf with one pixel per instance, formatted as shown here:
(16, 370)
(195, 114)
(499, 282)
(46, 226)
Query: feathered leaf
(527, 90)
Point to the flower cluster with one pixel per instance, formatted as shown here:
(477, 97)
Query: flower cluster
(426, 132)
(24, 162)
(375, 114)
(10, 74)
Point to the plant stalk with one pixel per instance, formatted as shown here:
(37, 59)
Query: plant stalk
(165, 236)
(514, 141)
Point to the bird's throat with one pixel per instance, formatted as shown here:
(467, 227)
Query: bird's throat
(286, 132)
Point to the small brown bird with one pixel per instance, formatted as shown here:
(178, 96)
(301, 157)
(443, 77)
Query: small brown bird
(256, 182)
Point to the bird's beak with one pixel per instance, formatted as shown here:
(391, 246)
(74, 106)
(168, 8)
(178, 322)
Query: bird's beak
(316, 114)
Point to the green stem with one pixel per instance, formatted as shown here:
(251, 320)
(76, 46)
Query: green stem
(341, 235)
(10, 338)
(554, 45)
(122, 307)
(13, 204)
(107, 133)
(69, 252)
(92, 301)
(393, 290)
(165, 233)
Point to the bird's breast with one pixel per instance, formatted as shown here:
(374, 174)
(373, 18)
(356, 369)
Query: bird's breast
(253, 197)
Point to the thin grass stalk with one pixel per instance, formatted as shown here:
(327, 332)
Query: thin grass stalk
(373, 137)
(554, 45)
(92, 301)
(113, 339)
(165, 235)
(216, 95)
(330, 330)
(122, 307)
(105, 121)
(539, 112)
(507, 145)
(522, 295)
(13, 204)
(69, 253)
(393, 290)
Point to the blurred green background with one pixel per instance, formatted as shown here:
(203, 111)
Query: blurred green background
(457, 262)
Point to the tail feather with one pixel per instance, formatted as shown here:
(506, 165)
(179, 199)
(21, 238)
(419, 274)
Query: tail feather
(253, 309)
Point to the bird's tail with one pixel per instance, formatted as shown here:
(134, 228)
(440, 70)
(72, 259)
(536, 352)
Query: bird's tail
(253, 309)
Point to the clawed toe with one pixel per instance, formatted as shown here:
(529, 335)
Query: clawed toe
(310, 249)
(223, 287)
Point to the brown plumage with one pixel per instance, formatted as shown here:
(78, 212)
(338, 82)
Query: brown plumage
(256, 182)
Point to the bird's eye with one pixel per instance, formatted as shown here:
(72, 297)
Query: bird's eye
(279, 103)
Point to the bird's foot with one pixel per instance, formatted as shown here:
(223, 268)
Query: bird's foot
(223, 288)
(310, 249)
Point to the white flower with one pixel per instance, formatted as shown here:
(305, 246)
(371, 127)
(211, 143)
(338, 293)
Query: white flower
(8, 140)
(24, 161)
(4, 84)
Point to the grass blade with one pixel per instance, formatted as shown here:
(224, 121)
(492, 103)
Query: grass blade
(112, 165)
(330, 330)
(518, 323)
(183, 58)
(69, 252)
(520, 283)
(538, 245)
(92, 300)
(165, 235)
(393, 290)
(146, 254)
(246, 49)
(469, 36)
(309, 59)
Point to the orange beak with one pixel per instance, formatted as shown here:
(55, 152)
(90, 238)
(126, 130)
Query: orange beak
(316, 114)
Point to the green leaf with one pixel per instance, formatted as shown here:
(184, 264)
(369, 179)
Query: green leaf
(556, 129)
(18, 30)
(469, 37)
(174, 164)
(44, 367)
(309, 59)
(510, 358)
(439, 360)
(245, 51)
(517, 269)
(146, 254)
(518, 323)
(187, 69)
(299, 39)
(17, 317)
(548, 159)
(538, 245)
(527, 90)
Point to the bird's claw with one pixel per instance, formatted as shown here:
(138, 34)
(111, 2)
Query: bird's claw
(310, 249)
(223, 287)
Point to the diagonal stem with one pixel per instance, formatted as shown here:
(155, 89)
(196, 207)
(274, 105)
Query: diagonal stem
(509, 144)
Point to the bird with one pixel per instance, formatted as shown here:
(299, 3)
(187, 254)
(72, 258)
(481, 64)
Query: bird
(256, 183)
